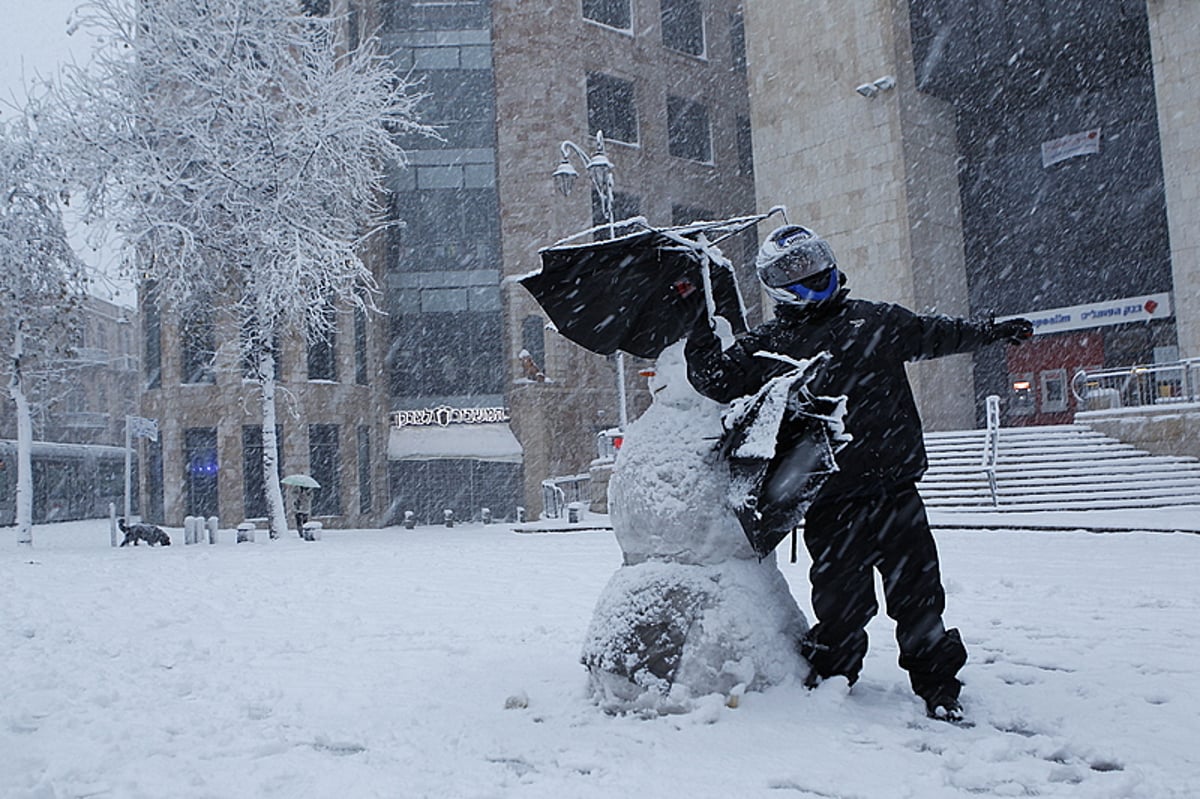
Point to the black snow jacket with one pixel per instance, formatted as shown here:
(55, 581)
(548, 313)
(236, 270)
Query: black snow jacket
(870, 343)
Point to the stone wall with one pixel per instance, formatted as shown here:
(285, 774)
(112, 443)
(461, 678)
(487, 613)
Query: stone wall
(1171, 430)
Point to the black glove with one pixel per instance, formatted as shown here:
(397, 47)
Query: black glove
(1014, 331)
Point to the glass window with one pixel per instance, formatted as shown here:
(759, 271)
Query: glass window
(365, 492)
(198, 339)
(445, 229)
(533, 339)
(200, 466)
(325, 467)
(683, 26)
(254, 490)
(612, 107)
(446, 353)
(688, 133)
(152, 335)
(322, 365)
(737, 40)
(614, 13)
(625, 206)
(745, 147)
(360, 347)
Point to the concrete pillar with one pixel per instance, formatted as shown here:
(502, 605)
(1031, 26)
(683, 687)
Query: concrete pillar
(1175, 49)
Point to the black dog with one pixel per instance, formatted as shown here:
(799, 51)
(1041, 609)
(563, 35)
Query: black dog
(149, 533)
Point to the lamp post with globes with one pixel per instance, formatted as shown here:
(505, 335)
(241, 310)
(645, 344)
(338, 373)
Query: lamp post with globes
(600, 170)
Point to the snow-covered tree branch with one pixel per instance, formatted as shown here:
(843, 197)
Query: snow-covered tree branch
(42, 283)
(241, 155)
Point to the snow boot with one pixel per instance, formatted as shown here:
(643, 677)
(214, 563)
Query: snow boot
(945, 709)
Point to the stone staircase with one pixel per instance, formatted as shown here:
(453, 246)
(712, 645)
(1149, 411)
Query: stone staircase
(1054, 468)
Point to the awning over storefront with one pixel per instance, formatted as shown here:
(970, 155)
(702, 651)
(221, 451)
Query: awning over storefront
(482, 442)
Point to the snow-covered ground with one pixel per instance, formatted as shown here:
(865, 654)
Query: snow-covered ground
(444, 663)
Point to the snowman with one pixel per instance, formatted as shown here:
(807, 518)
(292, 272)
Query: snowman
(693, 610)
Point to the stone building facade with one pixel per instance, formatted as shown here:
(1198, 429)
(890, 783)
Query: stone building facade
(1028, 158)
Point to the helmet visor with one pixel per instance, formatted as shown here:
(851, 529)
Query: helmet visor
(815, 288)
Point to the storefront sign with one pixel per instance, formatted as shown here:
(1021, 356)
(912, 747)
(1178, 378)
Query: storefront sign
(1099, 314)
(1085, 142)
(445, 416)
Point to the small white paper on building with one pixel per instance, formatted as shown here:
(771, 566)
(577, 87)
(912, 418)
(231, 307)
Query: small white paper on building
(1085, 142)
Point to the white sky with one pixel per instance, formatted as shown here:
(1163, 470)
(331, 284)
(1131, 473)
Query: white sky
(34, 42)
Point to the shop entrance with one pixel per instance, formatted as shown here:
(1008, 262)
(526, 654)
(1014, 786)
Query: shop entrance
(1039, 376)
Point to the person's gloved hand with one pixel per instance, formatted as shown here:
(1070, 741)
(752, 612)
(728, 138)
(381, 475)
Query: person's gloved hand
(1014, 331)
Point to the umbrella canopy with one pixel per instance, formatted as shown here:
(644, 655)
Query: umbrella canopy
(300, 481)
(638, 293)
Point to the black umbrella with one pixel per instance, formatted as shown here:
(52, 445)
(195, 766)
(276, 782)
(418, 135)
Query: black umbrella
(779, 445)
(640, 292)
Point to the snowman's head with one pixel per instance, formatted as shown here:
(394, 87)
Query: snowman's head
(668, 384)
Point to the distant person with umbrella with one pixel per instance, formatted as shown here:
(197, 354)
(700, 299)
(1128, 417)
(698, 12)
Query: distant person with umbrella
(300, 488)
(867, 515)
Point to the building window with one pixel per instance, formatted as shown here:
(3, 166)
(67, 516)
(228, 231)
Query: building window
(154, 481)
(737, 40)
(687, 214)
(613, 13)
(688, 133)
(451, 353)
(533, 339)
(683, 26)
(198, 339)
(745, 147)
(325, 467)
(625, 206)
(254, 488)
(365, 493)
(360, 347)
(445, 229)
(322, 365)
(612, 107)
(152, 335)
(200, 471)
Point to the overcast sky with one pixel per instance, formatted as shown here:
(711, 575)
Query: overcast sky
(33, 41)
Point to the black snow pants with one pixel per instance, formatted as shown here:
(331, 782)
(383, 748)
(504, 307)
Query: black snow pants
(847, 538)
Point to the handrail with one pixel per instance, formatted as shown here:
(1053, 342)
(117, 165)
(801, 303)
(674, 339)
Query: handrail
(991, 445)
(1137, 385)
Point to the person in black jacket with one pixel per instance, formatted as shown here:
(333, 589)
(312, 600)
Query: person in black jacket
(868, 515)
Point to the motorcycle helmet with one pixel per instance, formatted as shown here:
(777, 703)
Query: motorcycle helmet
(796, 266)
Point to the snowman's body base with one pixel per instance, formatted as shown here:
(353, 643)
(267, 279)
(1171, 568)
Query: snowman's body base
(693, 611)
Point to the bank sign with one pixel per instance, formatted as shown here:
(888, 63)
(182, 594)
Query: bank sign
(1099, 314)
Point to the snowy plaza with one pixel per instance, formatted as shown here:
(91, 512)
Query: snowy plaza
(443, 662)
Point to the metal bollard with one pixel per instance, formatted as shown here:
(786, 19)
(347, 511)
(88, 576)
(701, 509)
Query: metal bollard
(245, 533)
(190, 534)
(211, 524)
(486, 515)
(573, 513)
(520, 514)
(448, 515)
(410, 520)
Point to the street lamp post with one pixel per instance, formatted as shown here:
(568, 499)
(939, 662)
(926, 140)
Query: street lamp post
(600, 170)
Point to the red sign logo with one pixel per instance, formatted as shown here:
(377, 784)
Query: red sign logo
(1150, 306)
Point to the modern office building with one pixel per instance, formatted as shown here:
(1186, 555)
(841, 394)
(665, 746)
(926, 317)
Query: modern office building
(977, 157)
(459, 397)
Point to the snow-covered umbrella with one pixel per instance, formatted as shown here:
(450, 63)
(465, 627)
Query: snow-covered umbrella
(640, 292)
(779, 444)
(300, 481)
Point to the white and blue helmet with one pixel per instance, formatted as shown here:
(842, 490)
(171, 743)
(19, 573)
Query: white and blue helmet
(797, 267)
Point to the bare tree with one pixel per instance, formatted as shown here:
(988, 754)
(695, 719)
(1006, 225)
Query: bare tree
(42, 283)
(241, 154)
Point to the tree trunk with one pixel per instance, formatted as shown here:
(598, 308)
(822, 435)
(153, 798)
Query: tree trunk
(16, 387)
(276, 515)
